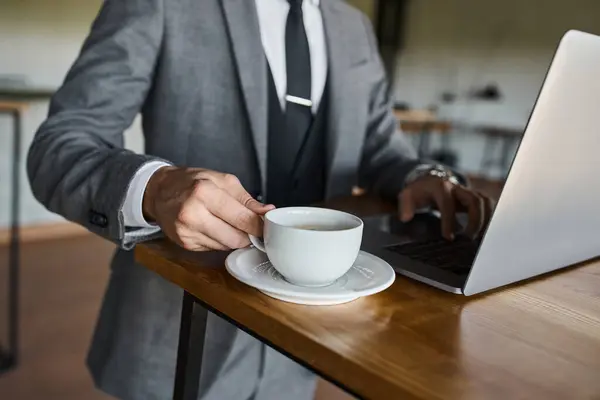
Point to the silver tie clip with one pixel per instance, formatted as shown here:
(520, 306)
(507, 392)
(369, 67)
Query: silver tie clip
(299, 100)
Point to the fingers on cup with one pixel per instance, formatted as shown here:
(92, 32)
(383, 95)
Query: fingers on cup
(224, 233)
(193, 240)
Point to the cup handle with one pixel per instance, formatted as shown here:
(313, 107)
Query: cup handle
(257, 242)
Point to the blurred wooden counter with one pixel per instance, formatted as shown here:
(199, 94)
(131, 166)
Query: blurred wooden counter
(423, 123)
(417, 121)
(12, 106)
(539, 340)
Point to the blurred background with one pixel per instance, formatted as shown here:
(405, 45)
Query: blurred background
(464, 77)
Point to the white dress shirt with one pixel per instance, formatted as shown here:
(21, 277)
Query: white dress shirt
(272, 17)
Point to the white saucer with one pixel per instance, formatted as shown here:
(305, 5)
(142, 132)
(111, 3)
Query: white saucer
(368, 275)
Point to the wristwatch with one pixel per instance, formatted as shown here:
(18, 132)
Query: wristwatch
(439, 171)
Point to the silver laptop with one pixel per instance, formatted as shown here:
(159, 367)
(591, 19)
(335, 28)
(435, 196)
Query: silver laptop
(548, 214)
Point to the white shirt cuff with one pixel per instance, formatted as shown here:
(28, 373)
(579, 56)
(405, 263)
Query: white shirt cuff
(133, 215)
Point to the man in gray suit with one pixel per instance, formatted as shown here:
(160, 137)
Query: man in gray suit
(244, 103)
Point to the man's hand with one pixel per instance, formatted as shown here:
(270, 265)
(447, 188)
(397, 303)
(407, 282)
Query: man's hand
(448, 198)
(202, 210)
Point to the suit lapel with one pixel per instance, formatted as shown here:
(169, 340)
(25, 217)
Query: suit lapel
(348, 101)
(244, 32)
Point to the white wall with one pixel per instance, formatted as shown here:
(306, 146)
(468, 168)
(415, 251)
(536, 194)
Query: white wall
(39, 39)
(460, 44)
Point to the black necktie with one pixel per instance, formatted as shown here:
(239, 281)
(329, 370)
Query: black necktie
(288, 130)
(298, 112)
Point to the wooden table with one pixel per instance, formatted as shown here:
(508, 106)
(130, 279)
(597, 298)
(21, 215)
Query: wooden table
(539, 340)
(423, 123)
(13, 102)
(12, 106)
(9, 355)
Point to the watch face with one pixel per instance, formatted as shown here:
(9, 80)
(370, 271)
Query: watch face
(438, 171)
(439, 174)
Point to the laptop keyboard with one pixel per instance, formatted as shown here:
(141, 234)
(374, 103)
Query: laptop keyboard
(456, 256)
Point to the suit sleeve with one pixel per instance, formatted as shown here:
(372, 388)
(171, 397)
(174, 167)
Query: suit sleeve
(387, 157)
(77, 165)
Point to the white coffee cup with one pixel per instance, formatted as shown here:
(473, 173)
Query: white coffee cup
(310, 246)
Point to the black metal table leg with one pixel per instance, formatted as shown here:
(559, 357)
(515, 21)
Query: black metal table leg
(10, 357)
(505, 158)
(488, 154)
(14, 254)
(191, 342)
(424, 139)
(191, 345)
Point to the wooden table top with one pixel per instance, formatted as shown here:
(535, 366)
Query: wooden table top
(538, 340)
(12, 106)
(417, 121)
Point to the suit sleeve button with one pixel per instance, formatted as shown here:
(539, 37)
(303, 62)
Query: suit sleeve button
(98, 219)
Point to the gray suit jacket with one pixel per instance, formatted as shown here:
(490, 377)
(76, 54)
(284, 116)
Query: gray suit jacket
(196, 71)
